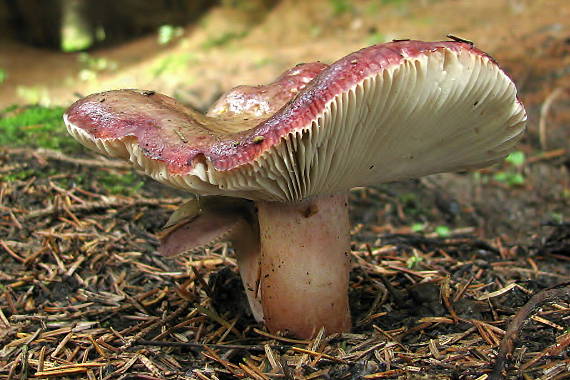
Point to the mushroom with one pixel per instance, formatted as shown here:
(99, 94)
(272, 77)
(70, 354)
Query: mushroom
(296, 146)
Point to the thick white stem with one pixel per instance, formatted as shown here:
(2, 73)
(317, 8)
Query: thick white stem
(305, 263)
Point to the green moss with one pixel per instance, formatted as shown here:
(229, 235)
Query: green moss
(102, 181)
(42, 127)
(376, 38)
(173, 63)
(35, 126)
(18, 175)
(223, 39)
(340, 7)
(119, 183)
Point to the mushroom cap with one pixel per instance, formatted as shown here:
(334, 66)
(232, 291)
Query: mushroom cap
(387, 112)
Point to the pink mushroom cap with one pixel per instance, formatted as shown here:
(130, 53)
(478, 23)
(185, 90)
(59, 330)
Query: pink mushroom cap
(387, 112)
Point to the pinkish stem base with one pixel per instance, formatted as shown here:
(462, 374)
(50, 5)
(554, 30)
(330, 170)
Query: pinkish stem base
(305, 263)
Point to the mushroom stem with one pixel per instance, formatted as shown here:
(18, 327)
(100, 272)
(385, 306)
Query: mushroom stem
(305, 264)
(245, 241)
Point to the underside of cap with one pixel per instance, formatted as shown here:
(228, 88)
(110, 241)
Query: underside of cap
(388, 112)
(202, 222)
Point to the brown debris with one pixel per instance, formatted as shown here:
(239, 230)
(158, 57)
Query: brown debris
(561, 291)
(123, 326)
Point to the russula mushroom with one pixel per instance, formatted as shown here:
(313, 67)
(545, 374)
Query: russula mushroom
(296, 146)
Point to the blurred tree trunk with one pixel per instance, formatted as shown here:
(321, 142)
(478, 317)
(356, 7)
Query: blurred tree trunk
(126, 18)
(37, 22)
(41, 22)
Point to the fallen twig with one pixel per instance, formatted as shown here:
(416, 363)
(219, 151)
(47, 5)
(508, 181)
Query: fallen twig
(105, 204)
(516, 324)
(99, 162)
(549, 155)
(201, 346)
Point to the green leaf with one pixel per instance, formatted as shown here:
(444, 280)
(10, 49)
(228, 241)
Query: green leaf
(442, 231)
(413, 261)
(167, 33)
(516, 180)
(418, 227)
(516, 158)
(509, 178)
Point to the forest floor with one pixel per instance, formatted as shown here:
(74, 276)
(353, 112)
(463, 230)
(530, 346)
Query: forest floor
(455, 276)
